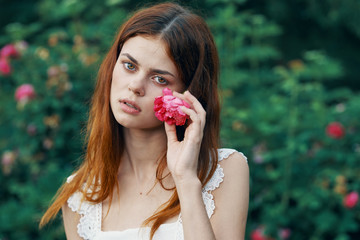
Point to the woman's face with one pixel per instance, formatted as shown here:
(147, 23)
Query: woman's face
(143, 69)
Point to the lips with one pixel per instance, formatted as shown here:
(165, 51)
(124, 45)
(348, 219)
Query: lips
(130, 106)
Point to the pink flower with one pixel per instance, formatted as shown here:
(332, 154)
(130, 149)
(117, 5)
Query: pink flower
(258, 151)
(48, 143)
(5, 68)
(9, 51)
(335, 130)
(167, 108)
(284, 233)
(7, 160)
(351, 199)
(24, 93)
(31, 129)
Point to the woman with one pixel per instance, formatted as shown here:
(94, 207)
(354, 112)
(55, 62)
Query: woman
(145, 179)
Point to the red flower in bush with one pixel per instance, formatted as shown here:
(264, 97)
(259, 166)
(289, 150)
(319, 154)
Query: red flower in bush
(258, 234)
(9, 51)
(167, 108)
(351, 199)
(5, 67)
(24, 93)
(335, 130)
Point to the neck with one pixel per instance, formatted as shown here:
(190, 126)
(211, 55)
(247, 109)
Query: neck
(143, 150)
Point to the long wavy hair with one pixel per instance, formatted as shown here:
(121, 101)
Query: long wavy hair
(191, 47)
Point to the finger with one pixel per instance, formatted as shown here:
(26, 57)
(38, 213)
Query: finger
(194, 116)
(193, 102)
(198, 114)
(170, 133)
(197, 106)
(194, 132)
(182, 97)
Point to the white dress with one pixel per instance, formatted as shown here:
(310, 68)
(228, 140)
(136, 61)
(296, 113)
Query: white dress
(89, 227)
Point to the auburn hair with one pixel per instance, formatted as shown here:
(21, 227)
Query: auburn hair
(191, 46)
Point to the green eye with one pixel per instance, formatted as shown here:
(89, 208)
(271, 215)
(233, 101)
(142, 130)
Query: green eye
(160, 80)
(129, 66)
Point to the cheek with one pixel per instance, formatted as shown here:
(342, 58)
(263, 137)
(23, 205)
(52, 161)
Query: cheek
(118, 71)
(115, 88)
(118, 80)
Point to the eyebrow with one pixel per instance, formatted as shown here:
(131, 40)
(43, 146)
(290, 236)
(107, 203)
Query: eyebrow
(162, 72)
(131, 58)
(159, 71)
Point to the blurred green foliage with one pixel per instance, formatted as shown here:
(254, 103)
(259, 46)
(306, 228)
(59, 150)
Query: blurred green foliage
(288, 69)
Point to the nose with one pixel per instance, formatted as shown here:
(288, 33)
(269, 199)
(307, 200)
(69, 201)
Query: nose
(137, 86)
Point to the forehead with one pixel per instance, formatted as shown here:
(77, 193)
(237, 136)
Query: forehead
(148, 50)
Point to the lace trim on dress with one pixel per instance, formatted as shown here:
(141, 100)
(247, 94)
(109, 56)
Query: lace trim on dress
(216, 179)
(90, 218)
(90, 221)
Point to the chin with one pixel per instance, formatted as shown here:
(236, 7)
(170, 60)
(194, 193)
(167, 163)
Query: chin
(140, 124)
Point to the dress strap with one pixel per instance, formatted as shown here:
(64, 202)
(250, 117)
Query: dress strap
(215, 180)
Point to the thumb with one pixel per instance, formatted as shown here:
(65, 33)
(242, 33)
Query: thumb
(171, 133)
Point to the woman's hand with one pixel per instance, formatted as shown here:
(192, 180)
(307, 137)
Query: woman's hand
(182, 157)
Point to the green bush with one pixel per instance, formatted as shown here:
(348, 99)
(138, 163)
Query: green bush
(300, 133)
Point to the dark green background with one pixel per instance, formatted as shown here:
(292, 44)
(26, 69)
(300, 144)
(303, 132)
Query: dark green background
(288, 69)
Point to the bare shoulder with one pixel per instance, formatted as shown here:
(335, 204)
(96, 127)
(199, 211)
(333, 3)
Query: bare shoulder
(71, 220)
(235, 163)
(232, 198)
(236, 177)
